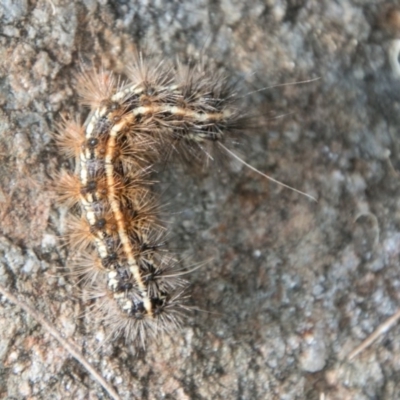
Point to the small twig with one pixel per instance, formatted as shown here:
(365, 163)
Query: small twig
(53, 7)
(383, 328)
(70, 347)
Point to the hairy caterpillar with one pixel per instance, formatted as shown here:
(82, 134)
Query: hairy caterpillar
(161, 109)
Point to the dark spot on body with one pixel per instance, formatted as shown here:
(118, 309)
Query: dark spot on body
(114, 106)
(100, 223)
(158, 304)
(92, 143)
(91, 186)
(110, 260)
(138, 311)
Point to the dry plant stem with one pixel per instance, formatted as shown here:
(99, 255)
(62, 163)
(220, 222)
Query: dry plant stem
(70, 347)
(383, 328)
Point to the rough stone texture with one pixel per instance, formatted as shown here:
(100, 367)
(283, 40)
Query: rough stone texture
(291, 286)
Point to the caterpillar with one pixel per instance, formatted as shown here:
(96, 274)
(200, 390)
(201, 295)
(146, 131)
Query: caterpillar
(161, 109)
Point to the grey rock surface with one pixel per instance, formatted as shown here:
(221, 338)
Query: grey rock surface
(291, 287)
